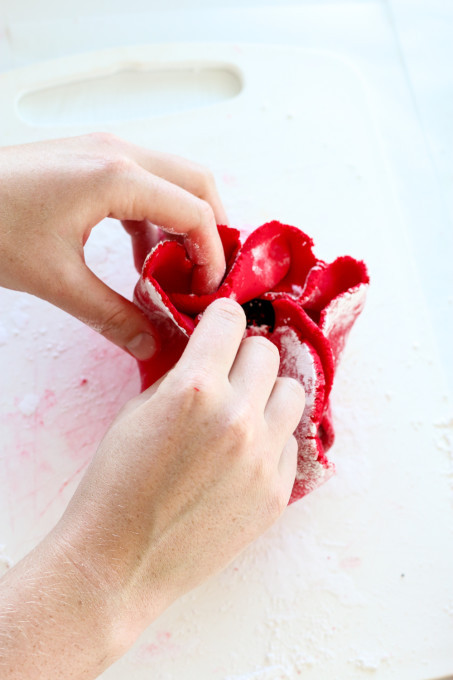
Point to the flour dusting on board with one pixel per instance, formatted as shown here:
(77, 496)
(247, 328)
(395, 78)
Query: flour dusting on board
(28, 404)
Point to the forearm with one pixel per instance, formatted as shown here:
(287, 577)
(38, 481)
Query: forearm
(54, 623)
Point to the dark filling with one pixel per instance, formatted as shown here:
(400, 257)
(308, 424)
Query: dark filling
(259, 313)
(314, 314)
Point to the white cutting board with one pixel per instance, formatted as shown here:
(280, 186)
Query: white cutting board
(356, 578)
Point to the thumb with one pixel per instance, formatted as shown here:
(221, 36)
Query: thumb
(82, 294)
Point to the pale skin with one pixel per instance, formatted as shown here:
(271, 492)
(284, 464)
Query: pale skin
(192, 470)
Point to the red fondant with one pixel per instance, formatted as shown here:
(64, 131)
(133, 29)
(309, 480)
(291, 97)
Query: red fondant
(314, 306)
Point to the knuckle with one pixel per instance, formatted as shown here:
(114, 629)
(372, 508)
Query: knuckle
(241, 427)
(116, 166)
(202, 178)
(114, 319)
(205, 214)
(206, 180)
(102, 138)
(195, 388)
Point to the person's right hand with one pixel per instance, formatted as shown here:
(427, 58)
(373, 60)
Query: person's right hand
(191, 472)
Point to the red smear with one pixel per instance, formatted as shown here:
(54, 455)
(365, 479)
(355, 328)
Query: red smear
(350, 563)
(314, 304)
(229, 179)
(162, 644)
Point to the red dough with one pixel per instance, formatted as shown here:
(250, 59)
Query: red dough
(303, 305)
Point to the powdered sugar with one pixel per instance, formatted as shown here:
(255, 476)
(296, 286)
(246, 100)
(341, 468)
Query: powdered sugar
(263, 264)
(297, 360)
(340, 315)
(297, 291)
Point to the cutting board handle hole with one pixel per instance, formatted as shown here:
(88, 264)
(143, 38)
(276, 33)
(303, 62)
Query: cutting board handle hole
(129, 93)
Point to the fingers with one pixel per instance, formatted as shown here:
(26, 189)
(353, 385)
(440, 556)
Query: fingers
(285, 408)
(178, 195)
(255, 370)
(137, 195)
(215, 341)
(189, 176)
(86, 297)
(287, 466)
(186, 174)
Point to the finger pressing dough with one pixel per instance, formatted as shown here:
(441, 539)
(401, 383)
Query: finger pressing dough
(303, 305)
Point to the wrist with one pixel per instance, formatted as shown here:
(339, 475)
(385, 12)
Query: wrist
(99, 595)
(95, 609)
(125, 595)
(49, 605)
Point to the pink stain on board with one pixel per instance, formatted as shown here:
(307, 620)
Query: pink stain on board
(349, 563)
(229, 179)
(162, 644)
(51, 434)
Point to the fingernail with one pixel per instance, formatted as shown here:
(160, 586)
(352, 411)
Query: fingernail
(143, 346)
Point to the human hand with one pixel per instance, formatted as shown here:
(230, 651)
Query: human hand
(191, 472)
(53, 193)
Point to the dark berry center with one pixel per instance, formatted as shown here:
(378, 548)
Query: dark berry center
(259, 313)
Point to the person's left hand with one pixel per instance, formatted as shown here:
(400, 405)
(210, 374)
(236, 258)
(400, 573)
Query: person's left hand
(53, 193)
